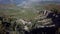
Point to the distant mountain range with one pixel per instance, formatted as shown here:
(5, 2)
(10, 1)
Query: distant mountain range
(49, 2)
(10, 3)
(20, 1)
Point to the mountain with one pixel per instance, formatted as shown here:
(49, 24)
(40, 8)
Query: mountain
(48, 2)
(26, 3)
(5, 1)
(20, 1)
(11, 1)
